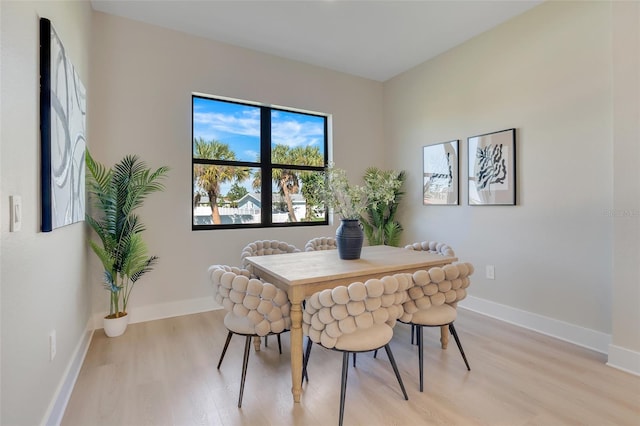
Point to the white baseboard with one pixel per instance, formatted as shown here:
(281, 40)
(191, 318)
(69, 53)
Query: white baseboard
(58, 404)
(572, 333)
(165, 310)
(624, 359)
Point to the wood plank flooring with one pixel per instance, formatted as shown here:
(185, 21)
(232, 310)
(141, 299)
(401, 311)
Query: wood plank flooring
(164, 373)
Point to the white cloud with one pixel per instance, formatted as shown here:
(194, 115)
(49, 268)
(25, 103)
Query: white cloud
(246, 124)
(295, 133)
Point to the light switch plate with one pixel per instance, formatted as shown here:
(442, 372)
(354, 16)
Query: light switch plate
(491, 272)
(15, 202)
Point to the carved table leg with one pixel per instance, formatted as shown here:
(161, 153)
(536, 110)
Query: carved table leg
(296, 351)
(444, 336)
(256, 343)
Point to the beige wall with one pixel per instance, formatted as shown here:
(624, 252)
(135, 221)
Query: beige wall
(626, 179)
(142, 80)
(43, 275)
(548, 73)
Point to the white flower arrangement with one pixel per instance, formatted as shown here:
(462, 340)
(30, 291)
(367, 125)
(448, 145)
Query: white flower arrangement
(348, 201)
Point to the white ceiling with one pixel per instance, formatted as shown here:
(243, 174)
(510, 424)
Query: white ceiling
(368, 38)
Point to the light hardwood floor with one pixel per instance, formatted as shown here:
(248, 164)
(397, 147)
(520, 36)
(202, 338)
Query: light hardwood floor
(164, 373)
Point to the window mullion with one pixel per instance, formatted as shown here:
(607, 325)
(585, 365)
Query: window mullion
(266, 170)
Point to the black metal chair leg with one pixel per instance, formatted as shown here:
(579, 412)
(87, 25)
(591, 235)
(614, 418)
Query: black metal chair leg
(343, 384)
(354, 360)
(266, 343)
(375, 353)
(395, 369)
(420, 339)
(414, 334)
(452, 329)
(245, 361)
(224, 351)
(305, 360)
(279, 344)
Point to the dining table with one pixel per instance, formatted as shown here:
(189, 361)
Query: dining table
(304, 273)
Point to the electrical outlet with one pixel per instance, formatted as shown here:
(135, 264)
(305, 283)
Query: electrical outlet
(52, 345)
(491, 272)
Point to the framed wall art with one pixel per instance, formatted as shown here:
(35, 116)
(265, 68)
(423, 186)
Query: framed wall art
(492, 168)
(440, 173)
(62, 134)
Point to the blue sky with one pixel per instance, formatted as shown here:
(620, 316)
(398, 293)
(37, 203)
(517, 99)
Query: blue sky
(239, 126)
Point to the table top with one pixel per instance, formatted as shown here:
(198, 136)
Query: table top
(293, 269)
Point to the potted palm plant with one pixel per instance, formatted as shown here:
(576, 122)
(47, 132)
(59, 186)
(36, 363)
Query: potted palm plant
(115, 194)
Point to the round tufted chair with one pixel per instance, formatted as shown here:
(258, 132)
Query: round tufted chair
(254, 308)
(265, 247)
(321, 243)
(262, 248)
(432, 302)
(356, 318)
(431, 247)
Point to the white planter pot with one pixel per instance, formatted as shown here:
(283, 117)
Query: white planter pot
(114, 327)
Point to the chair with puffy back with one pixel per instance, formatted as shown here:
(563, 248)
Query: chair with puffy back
(265, 247)
(321, 243)
(432, 302)
(261, 248)
(431, 247)
(254, 308)
(355, 318)
(436, 248)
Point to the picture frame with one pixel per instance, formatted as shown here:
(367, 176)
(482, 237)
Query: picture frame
(62, 134)
(492, 168)
(440, 163)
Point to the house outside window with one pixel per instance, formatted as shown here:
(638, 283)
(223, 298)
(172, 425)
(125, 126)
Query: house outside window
(256, 165)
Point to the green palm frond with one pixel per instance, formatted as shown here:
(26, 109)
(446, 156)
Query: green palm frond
(392, 232)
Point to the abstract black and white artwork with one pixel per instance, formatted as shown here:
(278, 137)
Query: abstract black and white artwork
(440, 173)
(492, 168)
(62, 132)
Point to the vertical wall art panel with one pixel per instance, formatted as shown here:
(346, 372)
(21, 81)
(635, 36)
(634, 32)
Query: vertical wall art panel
(62, 132)
(440, 173)
(492, 168)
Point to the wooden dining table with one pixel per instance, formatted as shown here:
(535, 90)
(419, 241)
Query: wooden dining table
(304, 273)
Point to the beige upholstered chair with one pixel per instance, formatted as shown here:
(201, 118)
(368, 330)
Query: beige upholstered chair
(432, 302)
(321, 243)
(355, 318)
(261, 248)
(264, 247)
(431, 247)
(437, 248)
(254, 308)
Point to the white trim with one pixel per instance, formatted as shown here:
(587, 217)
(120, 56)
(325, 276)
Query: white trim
(624, 359)
(58, 404)
(164, 310)
(587, 338)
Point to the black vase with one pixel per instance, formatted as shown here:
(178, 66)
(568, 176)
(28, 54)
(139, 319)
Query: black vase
(349, 238)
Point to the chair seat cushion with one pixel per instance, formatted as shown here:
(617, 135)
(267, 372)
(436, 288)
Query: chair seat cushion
(238, 324)
(366, 339)
(435, 315)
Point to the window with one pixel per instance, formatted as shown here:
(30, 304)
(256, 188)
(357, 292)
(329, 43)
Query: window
(256, 166)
